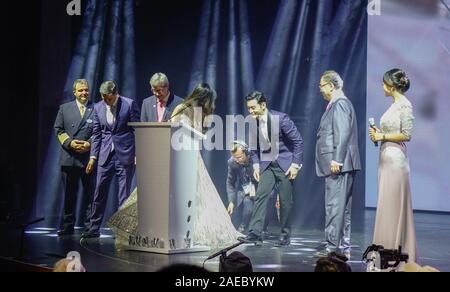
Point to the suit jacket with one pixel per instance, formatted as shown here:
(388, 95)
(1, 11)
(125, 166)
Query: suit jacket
(149, 111)
(287, 143)
(70, 125)
(337, 139)
(238, 176)
(122, 135)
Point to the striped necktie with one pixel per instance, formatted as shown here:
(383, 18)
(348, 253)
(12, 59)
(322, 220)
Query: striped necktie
(82, 110)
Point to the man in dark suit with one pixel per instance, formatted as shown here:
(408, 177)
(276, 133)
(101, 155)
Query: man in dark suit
(241, 186)
(113, 149)
(337, 160)
(73, 128)
(241, 189)
(160, 106)
(277, 154)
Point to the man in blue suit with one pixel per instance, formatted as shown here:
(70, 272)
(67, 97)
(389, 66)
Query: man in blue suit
(277, 155)
(160, 106)
(73, 128)
(113, 148)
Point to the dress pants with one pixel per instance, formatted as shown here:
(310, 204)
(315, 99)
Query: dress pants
(272, 176)
(105, 174)
(71, 177)
(338, 211)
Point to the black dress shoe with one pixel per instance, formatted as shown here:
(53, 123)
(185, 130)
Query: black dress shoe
(283, 241)
(250, 238)
(65, 232)
(87, 235)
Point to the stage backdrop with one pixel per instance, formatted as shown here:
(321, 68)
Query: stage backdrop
(279, 47)
(414, 36)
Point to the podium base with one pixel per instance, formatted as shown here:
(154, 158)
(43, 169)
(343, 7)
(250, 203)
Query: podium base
(194, 249)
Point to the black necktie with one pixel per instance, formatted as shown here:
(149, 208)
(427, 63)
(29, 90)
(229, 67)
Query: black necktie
(258, 147)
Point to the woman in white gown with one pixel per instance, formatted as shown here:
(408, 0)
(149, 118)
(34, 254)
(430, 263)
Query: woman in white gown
(212, 224)
(394, 223)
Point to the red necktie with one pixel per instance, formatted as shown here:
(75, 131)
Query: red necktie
(161, 106)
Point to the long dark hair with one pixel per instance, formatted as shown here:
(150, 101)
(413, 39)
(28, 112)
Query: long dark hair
(202, 96)
(397, 78)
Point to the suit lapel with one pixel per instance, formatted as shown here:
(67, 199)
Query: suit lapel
(169, 108)
(269, 127)
(102, 115)
(329, 112)
(77, 115)
(258, 135)
(325, 115)
(154, 109)
(119, 110)
(87, 115)
(89, 111)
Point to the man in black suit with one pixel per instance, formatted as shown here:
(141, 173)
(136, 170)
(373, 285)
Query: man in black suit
(160, 106)
(73, 127)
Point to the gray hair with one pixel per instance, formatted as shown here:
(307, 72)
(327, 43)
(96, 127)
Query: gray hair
(159, 79)
(80, 81)
(108, 88)
(334, 78)
(239, 145)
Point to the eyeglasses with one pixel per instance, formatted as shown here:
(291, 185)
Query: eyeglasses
(323, 85)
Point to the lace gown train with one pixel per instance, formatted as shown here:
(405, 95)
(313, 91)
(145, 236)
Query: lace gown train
(212, 224)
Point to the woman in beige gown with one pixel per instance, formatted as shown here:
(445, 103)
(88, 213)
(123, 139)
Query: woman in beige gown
(212, 224)
(394, 223)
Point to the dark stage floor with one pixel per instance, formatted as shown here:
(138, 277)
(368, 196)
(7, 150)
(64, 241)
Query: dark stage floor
(43, 247)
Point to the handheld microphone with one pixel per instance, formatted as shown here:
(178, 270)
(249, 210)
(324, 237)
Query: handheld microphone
(225, 250)
(372, 125)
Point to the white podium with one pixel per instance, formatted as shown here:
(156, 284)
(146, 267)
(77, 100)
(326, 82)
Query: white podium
(167, 184)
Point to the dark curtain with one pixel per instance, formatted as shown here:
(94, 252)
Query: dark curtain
(282, 48)
(20, 66)
(279, 47)
(104, 50)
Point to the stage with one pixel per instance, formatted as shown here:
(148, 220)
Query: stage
(43, 248)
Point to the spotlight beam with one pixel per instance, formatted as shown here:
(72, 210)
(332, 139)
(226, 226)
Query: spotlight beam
(211, 67)
(90, 71)
(232, 59)
(128, 66)
(296, 53)
(197, 73)
(79, 57)
(113, 45)
(278, 44)
(248, 75)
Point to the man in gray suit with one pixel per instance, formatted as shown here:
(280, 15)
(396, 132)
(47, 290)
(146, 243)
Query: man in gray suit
(73, 128)
(160, 106)
(337, 159)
